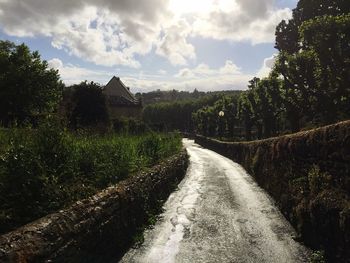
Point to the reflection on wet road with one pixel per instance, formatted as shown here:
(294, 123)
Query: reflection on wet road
(218, 214)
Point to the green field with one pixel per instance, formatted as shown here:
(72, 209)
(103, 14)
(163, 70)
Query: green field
(45, 169)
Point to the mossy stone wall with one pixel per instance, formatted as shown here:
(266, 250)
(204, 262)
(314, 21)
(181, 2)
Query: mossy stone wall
(308, 175)
(98, 229)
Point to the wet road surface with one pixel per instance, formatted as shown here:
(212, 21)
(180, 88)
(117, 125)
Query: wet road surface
(218, 214)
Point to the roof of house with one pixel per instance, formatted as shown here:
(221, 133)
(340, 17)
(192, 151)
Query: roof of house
(121, 101)
(116, 88)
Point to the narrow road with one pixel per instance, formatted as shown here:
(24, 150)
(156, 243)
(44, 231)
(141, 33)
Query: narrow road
(218, 214)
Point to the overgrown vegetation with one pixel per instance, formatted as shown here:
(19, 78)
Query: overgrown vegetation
(45, 169)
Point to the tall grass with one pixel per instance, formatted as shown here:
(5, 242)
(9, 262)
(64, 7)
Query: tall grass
(45, 169)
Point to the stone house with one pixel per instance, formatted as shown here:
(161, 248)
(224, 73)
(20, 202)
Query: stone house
(121, 102)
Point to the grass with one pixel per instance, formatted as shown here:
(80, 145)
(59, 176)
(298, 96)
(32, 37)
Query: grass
(43, 170)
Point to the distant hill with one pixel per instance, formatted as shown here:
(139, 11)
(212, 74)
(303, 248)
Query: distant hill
(175, 95)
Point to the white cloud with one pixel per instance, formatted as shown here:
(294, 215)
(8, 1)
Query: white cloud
(105, 32)
(210, 84)
(185, 73)
(55, 63)
(110, 32)
(72, 74)
(242, 20)
(162, 72)
(267, 66)
(230, 68)
(174, 46)
(202, 78)
(203, 70)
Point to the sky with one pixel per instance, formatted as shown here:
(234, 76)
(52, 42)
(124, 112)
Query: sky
(150, 44)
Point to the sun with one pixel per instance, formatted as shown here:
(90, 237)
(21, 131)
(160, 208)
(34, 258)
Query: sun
(180, 7)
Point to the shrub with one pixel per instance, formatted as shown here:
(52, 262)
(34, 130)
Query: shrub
(45, 169)
(318, 180)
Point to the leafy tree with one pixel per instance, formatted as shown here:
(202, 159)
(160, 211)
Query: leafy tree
(308, 86)
(298, 85)
(28, 88)
(176, 115)
(287, 32)
(89, 107)
(313, 56)
(315, 79)
(267, 105)
(328, 38)
(245, 113)
(208, 122)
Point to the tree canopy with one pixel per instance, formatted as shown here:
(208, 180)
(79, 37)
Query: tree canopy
(28, 87)
(308, 86)
(88, 106)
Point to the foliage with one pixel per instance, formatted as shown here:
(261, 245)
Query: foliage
(176, 115)
(45, 169)
(287, 32)
(28, 88)
(318, 181)
(314, 62)
(318, 257)
(315, 78)
(308, 85)
(130, 126)
(87, 105)
(208, 122)
(160, 96)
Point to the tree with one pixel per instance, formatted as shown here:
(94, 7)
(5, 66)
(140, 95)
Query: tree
(313, 61)
(299, 88)
(328, 38)
(315, 79)
(287, 32)
(89, 107)
(245, 113)
(28, 88)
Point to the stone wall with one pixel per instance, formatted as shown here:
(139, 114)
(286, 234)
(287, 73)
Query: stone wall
(98, 229)
(308, 174)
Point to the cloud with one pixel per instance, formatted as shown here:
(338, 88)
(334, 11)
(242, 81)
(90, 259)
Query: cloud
(203, 70)
(242, 20)
(104, 32)
(185, 73)
(72, 74)
(116, 32)
(162, 71)
(202, 78)
(210, 84)
(174, 46)
(267, 66)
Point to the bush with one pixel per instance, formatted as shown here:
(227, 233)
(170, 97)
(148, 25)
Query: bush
(318, 181)
(45, 169)
(130, 126)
